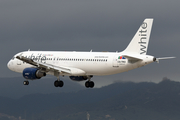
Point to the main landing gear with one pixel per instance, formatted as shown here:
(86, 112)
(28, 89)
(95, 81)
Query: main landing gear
(58, 83)
(89, 83)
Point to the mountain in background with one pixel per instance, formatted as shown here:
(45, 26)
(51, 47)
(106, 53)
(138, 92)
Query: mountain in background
(119, 101)
(14, 88)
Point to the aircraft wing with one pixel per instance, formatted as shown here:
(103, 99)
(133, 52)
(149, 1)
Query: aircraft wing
(45, 66)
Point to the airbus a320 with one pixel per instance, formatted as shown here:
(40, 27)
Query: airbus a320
(81, 66)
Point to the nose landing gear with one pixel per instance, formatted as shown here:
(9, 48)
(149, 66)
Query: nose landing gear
(26, 82)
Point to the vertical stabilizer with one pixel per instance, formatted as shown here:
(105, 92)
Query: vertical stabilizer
(139, 43)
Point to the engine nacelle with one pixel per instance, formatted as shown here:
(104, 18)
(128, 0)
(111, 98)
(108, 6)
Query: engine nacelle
(78, 78)
(33, 73)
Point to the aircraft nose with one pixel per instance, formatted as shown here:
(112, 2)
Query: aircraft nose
(9, 65)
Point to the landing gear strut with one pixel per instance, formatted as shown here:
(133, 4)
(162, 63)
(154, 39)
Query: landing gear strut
(58, 82)
(89, 83)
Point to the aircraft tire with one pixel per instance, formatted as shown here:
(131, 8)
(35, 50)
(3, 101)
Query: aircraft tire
(26, 82)
(58, 83)
(89, 84)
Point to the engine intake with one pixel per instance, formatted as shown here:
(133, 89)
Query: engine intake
(33, 73)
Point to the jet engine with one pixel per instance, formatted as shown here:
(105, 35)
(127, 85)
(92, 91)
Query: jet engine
(78, 78)
(33, 73)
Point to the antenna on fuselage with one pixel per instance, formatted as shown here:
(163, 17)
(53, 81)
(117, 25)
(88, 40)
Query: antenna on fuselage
(91, 50)
(29, 50)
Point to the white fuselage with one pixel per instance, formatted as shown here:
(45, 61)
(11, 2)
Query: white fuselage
(91, 63)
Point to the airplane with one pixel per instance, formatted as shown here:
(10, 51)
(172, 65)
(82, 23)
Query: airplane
(82, 66)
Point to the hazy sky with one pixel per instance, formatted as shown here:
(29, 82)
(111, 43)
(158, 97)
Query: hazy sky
(100, 25)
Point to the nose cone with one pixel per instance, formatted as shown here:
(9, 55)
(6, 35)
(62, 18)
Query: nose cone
(10, 65)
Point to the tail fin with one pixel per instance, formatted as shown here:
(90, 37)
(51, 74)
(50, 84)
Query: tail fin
(139, 43)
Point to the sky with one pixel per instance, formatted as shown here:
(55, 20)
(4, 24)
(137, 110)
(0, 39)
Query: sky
(100, 25)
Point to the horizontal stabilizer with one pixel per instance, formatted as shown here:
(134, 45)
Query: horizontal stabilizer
(132, 57)
(163, 58)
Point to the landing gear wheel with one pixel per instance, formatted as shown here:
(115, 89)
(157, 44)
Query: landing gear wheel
(61, 83)
(58, 83)
(89, 84)
(26, 82)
